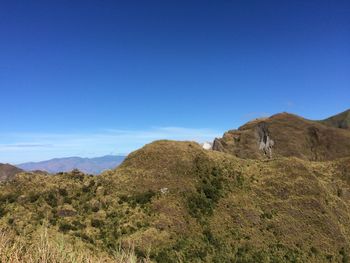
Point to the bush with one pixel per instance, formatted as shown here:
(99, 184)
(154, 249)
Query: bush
(140, 198)
(145, 197)
(96, 223)
(10, 221)
(62, 192)
(2, 211)
(65, 227)
(9, 198)
(33, 197)
(51, 199)
(345, 255)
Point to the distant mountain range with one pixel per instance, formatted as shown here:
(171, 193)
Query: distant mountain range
(86, 165)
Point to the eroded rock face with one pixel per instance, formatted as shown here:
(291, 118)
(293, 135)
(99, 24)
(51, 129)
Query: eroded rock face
(217, 145)
(264, 140)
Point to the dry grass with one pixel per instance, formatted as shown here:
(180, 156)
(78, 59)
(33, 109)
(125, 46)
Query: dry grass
(47, 250)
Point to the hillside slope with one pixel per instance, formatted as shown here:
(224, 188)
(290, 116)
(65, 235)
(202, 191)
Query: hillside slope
(7, 171)
(285, 135)
(341, 120)
(177, 202)
(86, 165)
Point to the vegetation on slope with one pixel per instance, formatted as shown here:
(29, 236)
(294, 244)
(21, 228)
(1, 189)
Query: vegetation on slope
(341, 120)
(48, 248)
(175, 202)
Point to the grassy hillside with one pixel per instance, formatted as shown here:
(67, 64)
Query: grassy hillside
(341, 120)
(175, 202)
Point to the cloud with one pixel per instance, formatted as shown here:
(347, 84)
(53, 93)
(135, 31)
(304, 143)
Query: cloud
(23, 147)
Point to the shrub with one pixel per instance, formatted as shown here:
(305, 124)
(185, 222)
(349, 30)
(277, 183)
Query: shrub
(10, 221)
(33, 197)
(62, 192)
(96, 223)
(51, 199)
(2, 211)
(65, 227)
(140, 198)
(345, 255)
(145, 197)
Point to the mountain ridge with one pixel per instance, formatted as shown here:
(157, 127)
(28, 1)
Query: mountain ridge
(93, 165)
(8, 171)
(341, 120)
(287, 135)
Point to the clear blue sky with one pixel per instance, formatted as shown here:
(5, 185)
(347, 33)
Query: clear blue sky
(97, 77)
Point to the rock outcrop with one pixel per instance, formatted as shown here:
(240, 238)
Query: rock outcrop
(285, 135)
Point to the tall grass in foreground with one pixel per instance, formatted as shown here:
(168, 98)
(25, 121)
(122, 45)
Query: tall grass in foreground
(13, 249)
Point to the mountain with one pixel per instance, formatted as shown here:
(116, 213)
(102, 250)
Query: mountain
(285, 135)
(341, 120)
(86, 165)
(174, 201)
(7, 171)
(177, 202)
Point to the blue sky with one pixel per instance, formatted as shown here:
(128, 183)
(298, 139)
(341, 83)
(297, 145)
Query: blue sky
(90, 78)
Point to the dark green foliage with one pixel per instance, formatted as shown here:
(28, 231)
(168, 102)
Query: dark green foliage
(239, 180)
(62, 192)
(144, 198)
(84, 237)
(208, 193)
(164, 257)
(51, 199)
(210, 238)
(96, 223)
(199, 205)
(33, 197)
(9, 198)
(345, 255)
(67, 200)
(2, 211)
(78, 224)
(95, 209)
(65, 227)
(140, 198)
(85, 189)
(10, 221)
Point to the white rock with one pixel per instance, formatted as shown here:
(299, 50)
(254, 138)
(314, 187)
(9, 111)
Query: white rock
(207, 145)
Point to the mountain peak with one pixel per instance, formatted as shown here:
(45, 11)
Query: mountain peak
(285, 134)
